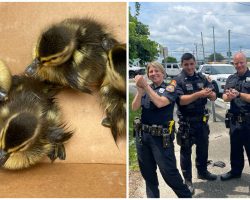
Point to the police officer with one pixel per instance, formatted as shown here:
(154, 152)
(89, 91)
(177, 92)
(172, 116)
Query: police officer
(237, 92)
(154, 142)
(193, 90)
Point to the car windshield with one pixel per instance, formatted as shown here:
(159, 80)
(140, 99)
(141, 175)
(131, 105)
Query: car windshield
(223, 69)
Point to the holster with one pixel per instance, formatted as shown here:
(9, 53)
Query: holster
(205, 116)
(137, 128)
(228, 119)
(183, 135)
(168, 134)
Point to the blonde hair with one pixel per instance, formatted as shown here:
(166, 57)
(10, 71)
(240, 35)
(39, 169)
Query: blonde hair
(156, 65)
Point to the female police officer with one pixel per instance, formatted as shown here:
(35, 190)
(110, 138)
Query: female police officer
(154, 141)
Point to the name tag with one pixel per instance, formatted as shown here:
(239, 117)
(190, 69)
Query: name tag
(248, 79)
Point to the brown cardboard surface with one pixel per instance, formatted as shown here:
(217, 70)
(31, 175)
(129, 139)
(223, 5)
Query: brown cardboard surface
(65, 180)
(78, 175)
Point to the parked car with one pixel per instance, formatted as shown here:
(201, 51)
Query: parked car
(172, 69)
(135, 70)
(218, 73)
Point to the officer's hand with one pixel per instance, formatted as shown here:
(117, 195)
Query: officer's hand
(235, 92)
(204, 93)
(140, 81)
(231, 93)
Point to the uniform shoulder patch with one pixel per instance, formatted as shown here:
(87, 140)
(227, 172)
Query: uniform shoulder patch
(173, 83)
(170, 88)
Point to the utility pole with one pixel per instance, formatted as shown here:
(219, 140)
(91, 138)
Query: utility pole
(214, 45)
(229, 49)
(196, 51)
(212, 102)
(203, 51)
(164, 55)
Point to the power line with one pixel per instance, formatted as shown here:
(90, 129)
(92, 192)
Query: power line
(194, 13)
(243, 4)
(240, 33)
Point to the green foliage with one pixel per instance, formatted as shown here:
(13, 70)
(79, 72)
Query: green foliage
(140, 46)
(170, 59)
(218, 57)
(133, 164)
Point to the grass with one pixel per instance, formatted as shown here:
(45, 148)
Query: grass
(133, 164)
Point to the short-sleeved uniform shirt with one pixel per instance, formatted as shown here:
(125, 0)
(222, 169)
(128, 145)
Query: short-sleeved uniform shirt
(241, 84)
(187, 85)
(151, 114)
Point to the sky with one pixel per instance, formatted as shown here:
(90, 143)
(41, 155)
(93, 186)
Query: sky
(178, 26)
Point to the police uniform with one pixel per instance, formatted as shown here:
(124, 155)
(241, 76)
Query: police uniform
(192, 122)
(239, 123)
(150, 148)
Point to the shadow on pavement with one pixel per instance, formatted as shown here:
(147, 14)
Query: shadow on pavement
(224, 189)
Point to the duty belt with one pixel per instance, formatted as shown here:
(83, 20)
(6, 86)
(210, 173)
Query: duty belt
(239, 117)
(155, 130)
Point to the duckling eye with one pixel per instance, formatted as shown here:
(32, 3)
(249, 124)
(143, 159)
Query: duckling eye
(20, 129)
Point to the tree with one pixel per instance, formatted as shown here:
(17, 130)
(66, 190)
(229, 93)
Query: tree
(218, 57)
(170, 59)
(140, 46)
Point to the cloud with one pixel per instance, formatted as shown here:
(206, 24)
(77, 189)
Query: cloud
(179, 25)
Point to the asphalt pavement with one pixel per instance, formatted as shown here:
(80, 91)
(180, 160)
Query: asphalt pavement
(219, 150)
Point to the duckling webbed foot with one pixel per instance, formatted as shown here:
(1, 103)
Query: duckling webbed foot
(57, 134)
(106, 122)
(57, 152)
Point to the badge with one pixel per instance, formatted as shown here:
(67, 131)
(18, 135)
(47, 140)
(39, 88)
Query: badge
(200, 85)
(189, 87)
(248, 79)
(170, 88)
(161, 90)
(173, 82)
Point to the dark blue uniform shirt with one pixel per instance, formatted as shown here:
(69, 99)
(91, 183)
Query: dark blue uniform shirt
(187, 85)
(242, 84)
(159, 116)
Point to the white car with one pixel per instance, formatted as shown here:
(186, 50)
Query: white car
(172, 69)
(218, 74)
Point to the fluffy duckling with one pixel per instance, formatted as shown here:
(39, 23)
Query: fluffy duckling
(72, 53)
(30, 126)
(113, 91)
(5, 81)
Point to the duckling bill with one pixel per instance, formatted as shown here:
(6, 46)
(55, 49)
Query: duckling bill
(72, 53)
(30, 126)
(113, 91)
(5, 81)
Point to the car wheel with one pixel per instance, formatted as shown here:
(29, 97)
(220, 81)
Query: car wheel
(131, 74)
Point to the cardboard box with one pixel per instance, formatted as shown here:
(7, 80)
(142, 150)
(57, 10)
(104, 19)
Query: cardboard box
(95, 166)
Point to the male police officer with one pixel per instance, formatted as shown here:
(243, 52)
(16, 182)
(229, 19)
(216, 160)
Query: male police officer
(193, 89)
(237, 92)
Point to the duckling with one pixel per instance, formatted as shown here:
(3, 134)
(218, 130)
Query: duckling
(30, 126)
(113, 91)
(5, 81)
(72, 53)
